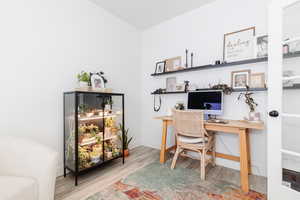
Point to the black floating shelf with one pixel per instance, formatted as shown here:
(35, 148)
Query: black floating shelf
(206, 89)
(294, 87)
(203, 67)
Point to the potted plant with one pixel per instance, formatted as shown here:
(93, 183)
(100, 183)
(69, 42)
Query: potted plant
(127, 140)
(253, 115)
(83, 79)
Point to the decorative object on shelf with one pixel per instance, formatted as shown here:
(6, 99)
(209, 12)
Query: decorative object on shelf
(285, 49)
(97, 81)
(186, 86)
(224, 87)
(171, 84)
(179, 106)
(258, 80)
(192, 59)
(180, 87)
(286, 74)
(155, 107)
(240, 79)
(253, 116)
(83, 79)
(294, 46)
(127, 140)
(186, 58)
(239, 45)
(160, 67)
(261, 46)
(217, 62)
(173, 64)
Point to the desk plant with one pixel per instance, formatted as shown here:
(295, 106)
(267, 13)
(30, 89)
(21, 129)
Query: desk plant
(253, 116)
(127, 140)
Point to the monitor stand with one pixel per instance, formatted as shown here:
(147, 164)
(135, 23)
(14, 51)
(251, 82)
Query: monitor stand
(209, 117)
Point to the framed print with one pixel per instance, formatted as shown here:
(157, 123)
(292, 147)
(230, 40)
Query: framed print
(173, 64)
(261, 47)
(239, 45)
(97, 81)
(239, 79)
(160, 67)
(258, 80)
(171, 84)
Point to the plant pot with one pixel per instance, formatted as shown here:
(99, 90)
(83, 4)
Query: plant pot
(254, 116)
(83, 84)
(126, 152)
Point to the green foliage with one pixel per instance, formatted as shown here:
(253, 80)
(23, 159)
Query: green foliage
(83, 77)
(127, 139)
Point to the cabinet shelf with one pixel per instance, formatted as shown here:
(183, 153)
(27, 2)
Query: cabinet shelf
(205, 67)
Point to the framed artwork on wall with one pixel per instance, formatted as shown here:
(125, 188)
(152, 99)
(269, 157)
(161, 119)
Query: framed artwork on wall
(160, 67)
(258, 80)
(239, 45)
(239, 79)
(173, 64)
(261, 47)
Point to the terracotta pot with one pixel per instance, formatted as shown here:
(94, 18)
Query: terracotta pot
(126, 152)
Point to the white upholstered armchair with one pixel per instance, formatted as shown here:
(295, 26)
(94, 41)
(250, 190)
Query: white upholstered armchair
(27, 170)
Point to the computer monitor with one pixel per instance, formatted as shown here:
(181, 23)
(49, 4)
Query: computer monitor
(210, 101)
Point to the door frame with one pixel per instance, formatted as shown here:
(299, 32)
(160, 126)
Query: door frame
(276, 191)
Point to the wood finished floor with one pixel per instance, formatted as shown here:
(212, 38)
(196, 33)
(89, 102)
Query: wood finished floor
(140, 156)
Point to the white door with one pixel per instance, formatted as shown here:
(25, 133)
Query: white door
(284, 104)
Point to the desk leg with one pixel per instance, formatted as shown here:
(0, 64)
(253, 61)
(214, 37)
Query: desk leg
(244, 162)
(163, 142)
(249, 152)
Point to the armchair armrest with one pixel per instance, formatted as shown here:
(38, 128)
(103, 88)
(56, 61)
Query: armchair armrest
(26, 158)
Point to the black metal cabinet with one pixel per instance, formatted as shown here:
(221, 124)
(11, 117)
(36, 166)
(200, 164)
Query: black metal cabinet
(93, 130)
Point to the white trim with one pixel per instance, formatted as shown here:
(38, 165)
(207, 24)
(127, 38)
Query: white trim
(290, 78)
(291, 40)
(290, 152)
(291, 115)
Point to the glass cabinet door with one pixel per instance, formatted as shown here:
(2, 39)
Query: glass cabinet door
(113, 127)
(90, 130)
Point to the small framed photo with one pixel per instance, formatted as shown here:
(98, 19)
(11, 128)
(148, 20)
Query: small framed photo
(258, 80)
(171, 84)
(97, 81)
(160, 67)
(261, 49)
(180, 87)
(239, 79)
(173, 64)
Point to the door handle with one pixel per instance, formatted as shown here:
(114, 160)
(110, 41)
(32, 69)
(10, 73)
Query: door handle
(274, 113)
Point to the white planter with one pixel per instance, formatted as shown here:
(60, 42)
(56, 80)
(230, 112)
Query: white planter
(254, 116)
(83, 84)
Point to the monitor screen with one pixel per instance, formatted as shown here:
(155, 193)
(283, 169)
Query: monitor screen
(209, 101)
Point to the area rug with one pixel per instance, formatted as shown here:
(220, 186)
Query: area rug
(159, 182)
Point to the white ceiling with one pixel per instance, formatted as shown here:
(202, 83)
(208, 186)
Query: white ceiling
(146, 13)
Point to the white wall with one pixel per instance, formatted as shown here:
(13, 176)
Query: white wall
(43, 44)
(201, 31)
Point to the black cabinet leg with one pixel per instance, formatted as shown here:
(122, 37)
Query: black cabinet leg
(65, 172)
(76, 180)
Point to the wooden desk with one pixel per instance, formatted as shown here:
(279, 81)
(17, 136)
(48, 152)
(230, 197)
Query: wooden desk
(240, 127)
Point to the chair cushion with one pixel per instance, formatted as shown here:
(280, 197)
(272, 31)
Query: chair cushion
(18, 188)
(191, 140)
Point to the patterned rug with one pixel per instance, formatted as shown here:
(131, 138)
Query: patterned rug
(159, 182)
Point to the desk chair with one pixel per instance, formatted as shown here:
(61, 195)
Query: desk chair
(191, 135)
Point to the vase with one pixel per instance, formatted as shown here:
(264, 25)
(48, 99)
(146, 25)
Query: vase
(254, 116)
(126, 152)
